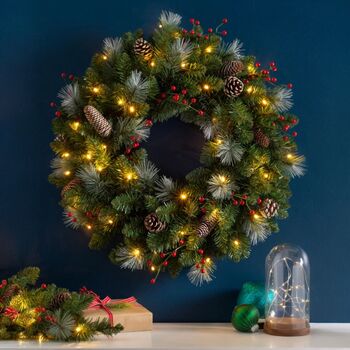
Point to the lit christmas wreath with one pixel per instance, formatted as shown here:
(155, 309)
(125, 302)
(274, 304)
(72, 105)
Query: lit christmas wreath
(111, 189)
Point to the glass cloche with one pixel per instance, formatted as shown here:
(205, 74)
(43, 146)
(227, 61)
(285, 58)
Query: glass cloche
(287, 309)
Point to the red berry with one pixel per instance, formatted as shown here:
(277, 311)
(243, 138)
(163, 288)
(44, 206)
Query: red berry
(63, 75)
(281, 117)
(224, 33)
(4, 282)
(294, 134)
(259, 201)
(242, 202)
(165, 263)
(274, 69)
(153, 281)
(198, 266)
(162, 255)
(285, 138)
(203, 210)
(210, 30)
(192, 20)
(58, 114)
(39, 319)
(197, 23)
(52, 104)
(286, 127)
(235, 202)
(192, 32)
(202, 270)
(206, 37)
(149, 262)
(173, 87)
(244, 196)
(200, 251)
(128, 151)
(193, 100)
(43, 286)
(251, 212)
(201, 199)
(184, 102)
(272, 64)
(201, 113)
(71, 77)
(294, 121)
(273, 124)
(289, 85)
(148, 122)
(163, 95)
(274, 80)
(224, 20)
(74, 220)
(181, 241)
(184, 91)
(136, 145)
(268, 79)
(176, 97)
(184, 31)
(173, 254)
(257, 64)
(202, 261)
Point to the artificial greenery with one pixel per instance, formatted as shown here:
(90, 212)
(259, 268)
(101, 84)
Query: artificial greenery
(220, 209)
(47, 312)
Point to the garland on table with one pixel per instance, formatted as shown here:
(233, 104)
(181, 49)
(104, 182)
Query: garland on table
(111, 190)
(47, 312)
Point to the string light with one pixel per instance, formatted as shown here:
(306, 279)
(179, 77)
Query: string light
(110, 221)
(206, 87)
(136, 252)
(218, 141)
(41, 338)
(160, 26)
(264, 102)
(65, 155)
(256, 216)
(99, 168)
(183, 65)
(67, 173)
(88, 226)
(249, 89)
(236, 242)
(88, 155)
(183, 196)
(208, 260)
(120, 101)
(153, 268)
(75, 125)
(222, 179)
(104, 57)
(153, 64)
(96, 89)
(79, 328)
(104, 146)
(209, 49)
(131, 109)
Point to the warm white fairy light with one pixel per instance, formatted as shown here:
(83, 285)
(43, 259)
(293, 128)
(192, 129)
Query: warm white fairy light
(289, 298)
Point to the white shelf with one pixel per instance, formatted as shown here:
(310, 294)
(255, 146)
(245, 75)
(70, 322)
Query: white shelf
(204, 336)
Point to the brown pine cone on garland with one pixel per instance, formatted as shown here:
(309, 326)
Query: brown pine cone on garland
(233, 87)
(98, 121)
(231, 68)
(261, 139)
(9, 292)
(153, 224)
(143, 48)
(206, 226)
(70, 185)
(269, 208)
(59, 299)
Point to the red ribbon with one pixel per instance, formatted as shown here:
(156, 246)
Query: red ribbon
(103, 304)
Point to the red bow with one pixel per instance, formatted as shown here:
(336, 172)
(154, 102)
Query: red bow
(103, 304)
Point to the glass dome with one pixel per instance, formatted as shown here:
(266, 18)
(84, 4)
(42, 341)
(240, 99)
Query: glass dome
(287, 308)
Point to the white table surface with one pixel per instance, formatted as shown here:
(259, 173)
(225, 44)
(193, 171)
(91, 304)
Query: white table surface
(204, 336)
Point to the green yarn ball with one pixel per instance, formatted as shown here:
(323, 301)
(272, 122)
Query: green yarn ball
(245, 318)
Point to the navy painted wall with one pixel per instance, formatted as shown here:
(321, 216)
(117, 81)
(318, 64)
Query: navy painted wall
(310, 42)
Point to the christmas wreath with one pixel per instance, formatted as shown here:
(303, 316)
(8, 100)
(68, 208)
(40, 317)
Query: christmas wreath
(112, 190)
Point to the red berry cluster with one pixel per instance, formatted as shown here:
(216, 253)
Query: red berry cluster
(198, 32)
(286, 123)
(64, 75)
(201, 264)
(239, 199)
(70, 215)
(3, 284)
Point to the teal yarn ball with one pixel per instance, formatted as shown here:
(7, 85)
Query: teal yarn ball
(245, 318)
(253, 293)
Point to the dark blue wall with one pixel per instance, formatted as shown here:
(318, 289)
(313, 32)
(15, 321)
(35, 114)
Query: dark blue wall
(310, 42)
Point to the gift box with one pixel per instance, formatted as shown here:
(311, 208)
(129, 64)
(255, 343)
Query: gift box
(130, 314)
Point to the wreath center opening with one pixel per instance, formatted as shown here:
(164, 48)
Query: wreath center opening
(175, 147)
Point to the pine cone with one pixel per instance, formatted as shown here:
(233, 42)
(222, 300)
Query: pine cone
(233, 87)
(269, 208)
(153, 224)
(98, 121)
(70, 185)
(261, 139)
(59, 299)
(9, 292)
(231, 68)
(143, 48)
(206, 226)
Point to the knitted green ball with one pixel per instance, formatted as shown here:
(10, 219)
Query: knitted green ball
(245, 318)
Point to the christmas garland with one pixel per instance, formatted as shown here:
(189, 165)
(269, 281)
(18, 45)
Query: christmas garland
(47, 312)
(111, 189)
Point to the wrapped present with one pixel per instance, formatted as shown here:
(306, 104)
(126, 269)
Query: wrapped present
(128, 312)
